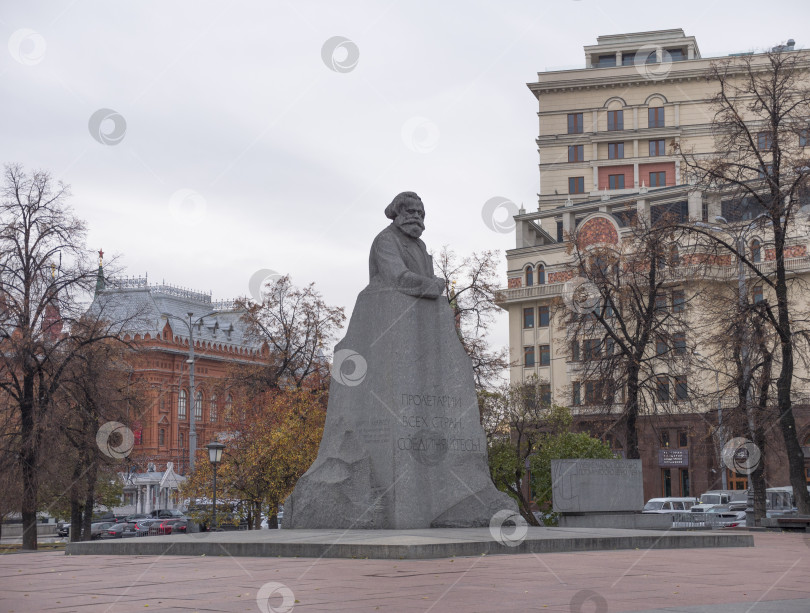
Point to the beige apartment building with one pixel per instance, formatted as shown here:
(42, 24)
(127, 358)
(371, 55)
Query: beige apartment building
(606, 158)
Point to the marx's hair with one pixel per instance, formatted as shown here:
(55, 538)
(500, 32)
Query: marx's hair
(392, 210)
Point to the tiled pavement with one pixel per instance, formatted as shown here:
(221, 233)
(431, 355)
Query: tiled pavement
(773, 577)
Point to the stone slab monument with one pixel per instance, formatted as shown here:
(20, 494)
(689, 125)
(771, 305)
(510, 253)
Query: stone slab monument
(402, 446)
(601, 494)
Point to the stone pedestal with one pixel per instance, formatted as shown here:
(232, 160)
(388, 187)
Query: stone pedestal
(403, 446)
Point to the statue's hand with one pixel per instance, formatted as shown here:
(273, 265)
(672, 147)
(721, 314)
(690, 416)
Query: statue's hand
(440, 284)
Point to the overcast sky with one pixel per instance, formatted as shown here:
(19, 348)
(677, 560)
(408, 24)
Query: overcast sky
(234, 140)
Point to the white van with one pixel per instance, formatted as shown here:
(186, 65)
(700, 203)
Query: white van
(669, 505)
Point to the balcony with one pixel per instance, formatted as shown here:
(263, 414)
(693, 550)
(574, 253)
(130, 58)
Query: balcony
(679, 273)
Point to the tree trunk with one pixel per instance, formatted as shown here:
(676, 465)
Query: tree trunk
(631, 415)
(28, 464)
(89, 500)
(76, 506)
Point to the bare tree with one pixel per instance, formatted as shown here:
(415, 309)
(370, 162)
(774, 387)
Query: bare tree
(297, 327)
(762, 111)
(472, 284)
(44, 277)
(624, 315)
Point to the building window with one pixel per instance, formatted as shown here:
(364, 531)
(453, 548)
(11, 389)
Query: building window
(674, 256)
(575, 123)
(683, 439)
(655, 117)
(181, 405)
(661, 302)
(528, 356)
(229, 408)
(182, 440)
(575, 351)
(529, 276)
(545, 393)
(616, 181)
(576, 153)
(764, 141)
(213, 408)
(606, 61)
(593, 392)
(545, 355)
(576, 185)
(756, 251)
(678, 301)
(610, 346)
(615, 120)
(704, 211)
(676, 55)
(681, 389)
(528, 318)
(541, 274)
(660, 346)
(198, 407)
(804, 137)
(560, 233)
(591, 348)
(664, 438)
(576, 398)
(765, 171)
(543, 316)
(736, 481)
(161, 437)
(658, 179)
(757, 294)
(662, 388)
(679, 343)
(666, 482)
(658, 147)
(685, 482)
(615, 151)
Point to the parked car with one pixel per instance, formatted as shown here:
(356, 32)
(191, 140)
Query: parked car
(136, 516)
(142, 526)
(166, 513)
(97, 528)
(119, 530)
(177, 526)
(63, 529)
(669, 505)
(714, 498)
(722, 516)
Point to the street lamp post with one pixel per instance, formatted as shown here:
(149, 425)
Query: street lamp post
(192, 416)
(215, 457)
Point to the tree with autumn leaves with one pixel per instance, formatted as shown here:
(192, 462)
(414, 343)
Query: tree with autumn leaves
(279, 406)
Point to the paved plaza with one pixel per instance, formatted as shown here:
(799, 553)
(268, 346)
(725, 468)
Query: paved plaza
(772, 577)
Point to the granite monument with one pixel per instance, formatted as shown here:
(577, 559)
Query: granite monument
(402, 446)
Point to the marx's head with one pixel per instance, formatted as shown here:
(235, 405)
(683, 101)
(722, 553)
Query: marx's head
(408, 213)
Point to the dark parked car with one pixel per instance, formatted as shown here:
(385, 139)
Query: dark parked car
(167, 513)
(142, 526)
(63, 529)
(178, 526)
(97, 528)
(119, 530)
(136, 516)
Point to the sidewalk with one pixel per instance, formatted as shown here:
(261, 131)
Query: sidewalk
(772, 577)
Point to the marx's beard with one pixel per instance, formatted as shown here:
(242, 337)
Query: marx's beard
(411, 227)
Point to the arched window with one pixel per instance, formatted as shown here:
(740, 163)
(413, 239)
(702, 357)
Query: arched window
(541, 274)
(529, 276)
(756, 251)
(229, 408)
(198, 407)
(181, 405)
(213, 410)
